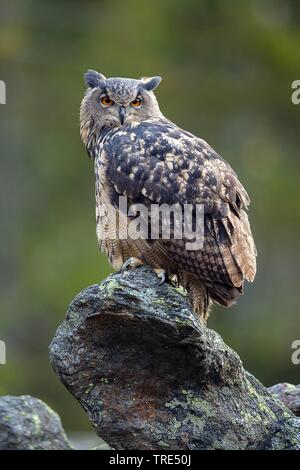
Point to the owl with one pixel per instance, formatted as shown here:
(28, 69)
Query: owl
(142, 156)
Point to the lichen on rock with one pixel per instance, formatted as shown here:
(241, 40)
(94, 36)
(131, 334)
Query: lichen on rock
(27, 423)
(150, 375)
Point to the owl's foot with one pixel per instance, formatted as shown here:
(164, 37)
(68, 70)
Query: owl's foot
(131, 263)
(162, 275)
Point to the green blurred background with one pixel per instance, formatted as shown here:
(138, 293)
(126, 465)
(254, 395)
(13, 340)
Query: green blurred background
(227, 68)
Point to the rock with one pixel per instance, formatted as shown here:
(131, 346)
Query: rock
(150, 375)
(27, 423)
(289, 394)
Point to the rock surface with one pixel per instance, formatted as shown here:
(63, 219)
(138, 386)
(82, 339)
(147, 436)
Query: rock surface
(289, 394)
(151, 376)
(27, 423)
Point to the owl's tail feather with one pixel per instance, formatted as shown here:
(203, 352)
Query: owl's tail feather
(198, 295)
(243, 247)
(223, 294)
(201, 294)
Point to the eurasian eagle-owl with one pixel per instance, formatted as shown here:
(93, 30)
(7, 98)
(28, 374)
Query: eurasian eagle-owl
(140, 154)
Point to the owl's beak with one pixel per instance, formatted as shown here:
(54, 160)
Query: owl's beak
(122, 114)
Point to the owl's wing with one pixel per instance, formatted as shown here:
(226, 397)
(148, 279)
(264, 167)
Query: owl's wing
(156, 162)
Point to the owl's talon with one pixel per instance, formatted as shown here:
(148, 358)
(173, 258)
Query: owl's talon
(126, 264)
(162, 275)
(131, 263)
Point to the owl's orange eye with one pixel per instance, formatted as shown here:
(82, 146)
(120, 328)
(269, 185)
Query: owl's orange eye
(136, 103)
(106, 101)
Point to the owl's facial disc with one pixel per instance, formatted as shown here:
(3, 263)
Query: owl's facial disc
(126, 111)
(114, 102)
(119, 109)
(122, 107)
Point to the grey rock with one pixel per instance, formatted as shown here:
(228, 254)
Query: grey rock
(150, 375)
(27, 423)
(289, 394)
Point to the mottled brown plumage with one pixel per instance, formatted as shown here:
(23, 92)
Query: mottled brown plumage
(140, 154)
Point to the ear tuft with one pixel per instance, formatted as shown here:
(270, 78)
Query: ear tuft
(93, 79)
(150, 83)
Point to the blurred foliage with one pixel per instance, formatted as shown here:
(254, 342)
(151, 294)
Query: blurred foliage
(227, 68)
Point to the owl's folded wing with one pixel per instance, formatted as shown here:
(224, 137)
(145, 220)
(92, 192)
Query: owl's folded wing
(160, 163)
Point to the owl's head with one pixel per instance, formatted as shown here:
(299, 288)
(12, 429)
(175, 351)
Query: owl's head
(114, 102)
